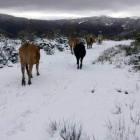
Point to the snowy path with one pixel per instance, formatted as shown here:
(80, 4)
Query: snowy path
(62, 91)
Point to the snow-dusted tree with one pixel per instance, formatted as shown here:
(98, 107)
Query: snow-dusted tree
(27, 35)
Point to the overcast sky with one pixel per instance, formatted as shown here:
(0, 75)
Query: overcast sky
(49, 9)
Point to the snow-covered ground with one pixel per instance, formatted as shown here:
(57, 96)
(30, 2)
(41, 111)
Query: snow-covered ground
(91, 96)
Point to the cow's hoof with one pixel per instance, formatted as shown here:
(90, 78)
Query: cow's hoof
(23, 83)
(29, 83)
(38, 74)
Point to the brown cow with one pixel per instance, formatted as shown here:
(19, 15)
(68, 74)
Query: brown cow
(29, 55)
(100, 38)
(72, 42)
(90, 39)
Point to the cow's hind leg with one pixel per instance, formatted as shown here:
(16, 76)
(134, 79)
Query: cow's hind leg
(30, 73)
(81, 63)
(23, 74)
(37, 66)
(91, 45)
(77, 62)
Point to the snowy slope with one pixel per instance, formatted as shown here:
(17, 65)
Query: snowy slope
(63, 92)
(108, 25)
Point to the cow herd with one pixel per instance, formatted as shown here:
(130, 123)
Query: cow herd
(79, 49)
(30, 55)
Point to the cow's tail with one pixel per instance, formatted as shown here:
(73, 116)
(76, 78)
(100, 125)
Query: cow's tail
(27, 69)
(99, 41)
(72, 48)
(73, 44)
(91, 40)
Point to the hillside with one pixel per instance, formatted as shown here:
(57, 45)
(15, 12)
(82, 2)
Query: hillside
(108, 25)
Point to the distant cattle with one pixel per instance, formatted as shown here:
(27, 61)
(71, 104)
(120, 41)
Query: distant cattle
(100, 38)
(80, 53)
(90, 39)
(72, 42)
(29, 55)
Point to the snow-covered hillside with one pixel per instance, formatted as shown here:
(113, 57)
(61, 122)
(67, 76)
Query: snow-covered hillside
(109, 26)
(96, 96)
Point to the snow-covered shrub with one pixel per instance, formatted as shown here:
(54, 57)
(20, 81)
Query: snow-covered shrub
(8, 53)
(3, 59)
(67, 46)
(108, 55)
(81, 40)
(49, 49)
(66, 130)
(61, 40)
(27, 35)
(51, 128)
(11, 53)
(59, 47)
(134, 51)
(121, 55)
(135, 61)
(120, 130)
(42, 45)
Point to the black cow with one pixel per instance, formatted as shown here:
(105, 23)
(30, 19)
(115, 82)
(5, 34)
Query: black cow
(80, 53)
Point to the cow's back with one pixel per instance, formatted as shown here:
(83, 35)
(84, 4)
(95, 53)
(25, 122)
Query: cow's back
(29, 53)
(23, 52)
(70, 41)
(73, 42)
(88, 39)
(92, 37)
(100, 37)
(80, 50)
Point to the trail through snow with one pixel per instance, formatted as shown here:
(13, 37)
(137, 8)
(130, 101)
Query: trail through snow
(61, 91)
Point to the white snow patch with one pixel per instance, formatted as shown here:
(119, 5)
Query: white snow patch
(61, 91)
